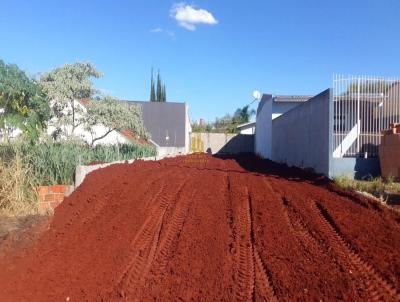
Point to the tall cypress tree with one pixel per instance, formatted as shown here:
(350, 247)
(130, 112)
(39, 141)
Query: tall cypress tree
(164, 94)
(152, 89)
(159, 88)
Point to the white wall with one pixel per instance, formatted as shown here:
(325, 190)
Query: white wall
(188, 130)
(268, 110)
(247, 131)
(262, 142)
(300, 137)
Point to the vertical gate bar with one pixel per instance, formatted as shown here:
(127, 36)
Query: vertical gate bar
(371, 126)
(334, 111)
(355, 104)
(376, 113)
(358, 116)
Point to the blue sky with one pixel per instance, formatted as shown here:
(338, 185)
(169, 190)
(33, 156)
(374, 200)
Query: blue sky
(280, 47)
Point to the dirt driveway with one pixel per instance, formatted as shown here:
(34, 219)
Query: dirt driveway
(198, 228)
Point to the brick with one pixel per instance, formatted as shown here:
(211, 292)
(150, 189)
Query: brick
(44, 207)
(58, 197)
(58, 189)
(54, 204)
(41, 198)
(49, 197)
(43, 190)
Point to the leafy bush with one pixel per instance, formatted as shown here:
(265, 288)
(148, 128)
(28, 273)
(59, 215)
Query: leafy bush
(52, 163)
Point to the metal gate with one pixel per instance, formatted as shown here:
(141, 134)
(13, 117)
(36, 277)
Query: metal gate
(362, 108)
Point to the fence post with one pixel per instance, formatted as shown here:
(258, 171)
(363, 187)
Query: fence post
(358, 115)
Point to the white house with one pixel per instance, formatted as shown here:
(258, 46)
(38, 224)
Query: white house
(115, 137)
(168, 124)
(247, 128)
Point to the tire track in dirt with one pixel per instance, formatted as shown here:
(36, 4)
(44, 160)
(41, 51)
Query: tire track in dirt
(342, 251)
(146, 241)
(101, 203)
(311, 260)
(336, 254)
(208, 234)
(245, 274)
(355, 214)
(263, 290)
(197, 259)
(252, 280)
(365, 277)
(175, 226)
(298, 227)
(377, 287)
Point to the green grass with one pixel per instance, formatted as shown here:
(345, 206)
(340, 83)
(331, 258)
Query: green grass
(24, 166)
(54, 163)
(379, 187)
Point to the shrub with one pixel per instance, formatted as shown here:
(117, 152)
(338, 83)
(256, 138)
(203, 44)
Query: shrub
(24, 166)
(52, 163)
(378, 186)
(17, 187)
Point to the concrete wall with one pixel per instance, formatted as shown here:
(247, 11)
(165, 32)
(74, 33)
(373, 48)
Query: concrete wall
(221, 143)
(267, 111)
(171, 151)
(82, 171)
(188, 129)
(262, 141)
(354, 167)
(301, 136)
(279, 108)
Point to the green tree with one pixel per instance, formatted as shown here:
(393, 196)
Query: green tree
(65, 86)
(158, 94)
(227, 123)
(23, 103)
(243, 115)
(368, 86)
(159, 88)
(114, 116)
(152, 88)
(164, 94)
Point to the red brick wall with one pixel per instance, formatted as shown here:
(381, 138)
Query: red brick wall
(51, 196)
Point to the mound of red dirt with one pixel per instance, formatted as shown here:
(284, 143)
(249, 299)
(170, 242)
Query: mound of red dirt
(198, 228)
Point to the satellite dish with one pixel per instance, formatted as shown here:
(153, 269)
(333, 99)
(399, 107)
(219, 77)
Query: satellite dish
(256, 94)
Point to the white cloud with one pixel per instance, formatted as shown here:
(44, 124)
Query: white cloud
(156, 30)
(189, 17)
(159, 30)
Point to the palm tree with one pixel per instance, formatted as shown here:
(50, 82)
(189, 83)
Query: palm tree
(243, 115)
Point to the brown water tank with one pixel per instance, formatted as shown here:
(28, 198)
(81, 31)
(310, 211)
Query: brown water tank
(389, 152)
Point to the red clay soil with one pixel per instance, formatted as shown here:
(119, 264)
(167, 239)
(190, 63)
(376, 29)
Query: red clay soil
(198, 228)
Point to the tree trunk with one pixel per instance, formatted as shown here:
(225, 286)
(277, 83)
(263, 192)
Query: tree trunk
(100, 137)
(73, 117)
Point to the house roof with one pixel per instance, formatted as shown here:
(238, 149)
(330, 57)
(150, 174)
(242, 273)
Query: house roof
(282, 99)
(291, 98)
(248, 125)
(165, 121)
